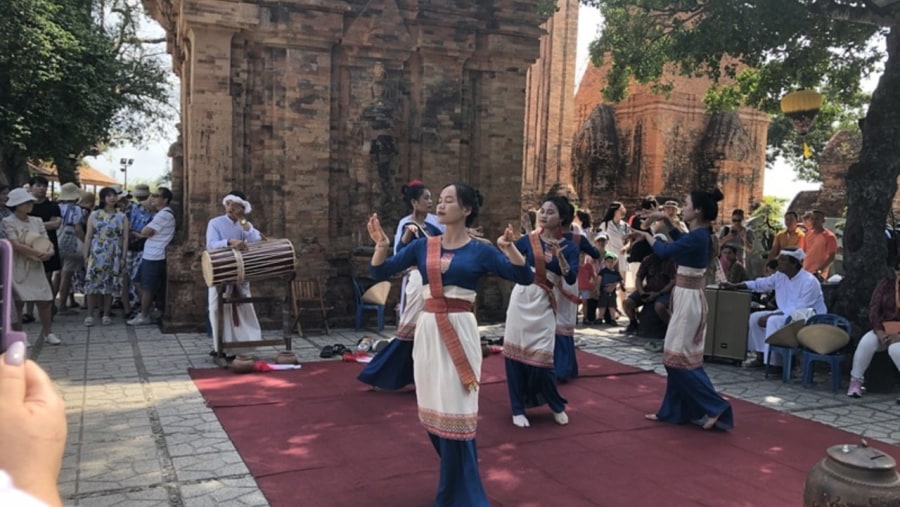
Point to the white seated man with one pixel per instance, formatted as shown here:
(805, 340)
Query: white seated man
(795, 290)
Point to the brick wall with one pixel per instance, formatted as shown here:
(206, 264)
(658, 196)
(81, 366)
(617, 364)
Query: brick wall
(319, 110)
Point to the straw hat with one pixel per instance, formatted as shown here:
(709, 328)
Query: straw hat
(36, 241)
(378, 293)
(69, 192)
(19, 196)
(786, 336)
(823, 338)
(120, 192)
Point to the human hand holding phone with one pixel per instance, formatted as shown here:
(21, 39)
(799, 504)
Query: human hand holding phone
(32, 426)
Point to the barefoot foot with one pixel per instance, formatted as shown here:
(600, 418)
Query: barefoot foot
(651, 417)
(711, 422)
(561, 418)
(521, 421)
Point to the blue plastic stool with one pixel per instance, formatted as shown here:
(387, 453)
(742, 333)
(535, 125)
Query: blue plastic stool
(834, 360)
(787, 360)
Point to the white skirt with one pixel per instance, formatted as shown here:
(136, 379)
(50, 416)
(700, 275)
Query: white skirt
(446, 408)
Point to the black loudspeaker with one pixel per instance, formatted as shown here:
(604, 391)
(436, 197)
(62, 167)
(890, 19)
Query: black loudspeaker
(726, 323)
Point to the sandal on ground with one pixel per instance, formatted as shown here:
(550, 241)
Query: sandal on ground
(339, 349)
(106, 320)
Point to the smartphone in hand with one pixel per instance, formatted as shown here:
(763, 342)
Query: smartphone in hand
(7, 335)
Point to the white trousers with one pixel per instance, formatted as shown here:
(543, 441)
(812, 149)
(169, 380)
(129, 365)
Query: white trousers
(756, 334)
(869, 344)
(240, 325)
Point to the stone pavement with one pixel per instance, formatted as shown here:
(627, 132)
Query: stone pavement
(140, 434)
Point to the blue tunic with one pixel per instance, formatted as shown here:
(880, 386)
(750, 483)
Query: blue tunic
(469, 263)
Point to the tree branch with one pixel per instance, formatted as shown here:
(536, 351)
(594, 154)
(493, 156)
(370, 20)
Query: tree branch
(861, 15)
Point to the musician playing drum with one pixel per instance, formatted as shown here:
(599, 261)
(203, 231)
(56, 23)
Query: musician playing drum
(233, 230)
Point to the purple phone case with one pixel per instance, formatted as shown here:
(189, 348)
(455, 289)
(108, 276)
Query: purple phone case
(6, 300)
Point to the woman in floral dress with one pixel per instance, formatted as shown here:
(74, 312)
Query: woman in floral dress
(105, 245)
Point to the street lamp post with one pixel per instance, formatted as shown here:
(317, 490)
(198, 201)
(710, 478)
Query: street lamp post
(125, 163)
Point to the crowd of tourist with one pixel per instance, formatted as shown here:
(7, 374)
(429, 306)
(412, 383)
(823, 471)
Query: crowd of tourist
(66, 245)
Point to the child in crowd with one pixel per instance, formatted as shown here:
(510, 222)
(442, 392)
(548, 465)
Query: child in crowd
(610, 280)
(587, 287)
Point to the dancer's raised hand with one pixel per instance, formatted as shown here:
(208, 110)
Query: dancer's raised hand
(376, 232)
(507, 238)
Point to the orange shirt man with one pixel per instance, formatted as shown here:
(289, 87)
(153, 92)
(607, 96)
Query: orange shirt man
(789, 238)
(820, 246)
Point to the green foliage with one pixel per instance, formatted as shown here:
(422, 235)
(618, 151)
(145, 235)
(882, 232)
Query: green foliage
(769, 212)
(755, 52)
(75, 77)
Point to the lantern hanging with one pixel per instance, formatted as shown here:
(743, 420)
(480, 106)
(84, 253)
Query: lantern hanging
(801, 108)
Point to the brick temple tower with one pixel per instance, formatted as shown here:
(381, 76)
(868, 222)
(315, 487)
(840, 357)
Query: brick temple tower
(320, 110)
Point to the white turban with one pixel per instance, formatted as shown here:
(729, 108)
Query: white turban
(233, 198)
(797, 254)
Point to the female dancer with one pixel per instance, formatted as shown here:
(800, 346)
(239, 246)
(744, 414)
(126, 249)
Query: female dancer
(447, 348)
(565, 364)
(690, 395)
(530, 338)
(392, 368)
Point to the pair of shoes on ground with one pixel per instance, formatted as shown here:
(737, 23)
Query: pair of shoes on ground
(333, 350)
(89, 321)
(52, 339)
(653, 346)
(755, 362)
(631, 329)
(139, 320)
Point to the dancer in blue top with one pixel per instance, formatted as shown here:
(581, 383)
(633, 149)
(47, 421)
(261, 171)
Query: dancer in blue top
(447, 348)
(392, 367)
(690, 395)
(529, 339)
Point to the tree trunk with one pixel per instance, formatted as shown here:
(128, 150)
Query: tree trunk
(13, 169)
(871, 185)
(65, 169)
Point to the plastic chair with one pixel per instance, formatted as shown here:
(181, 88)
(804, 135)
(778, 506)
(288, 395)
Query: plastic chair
(787, 360)
(834, 360)
(362, 305)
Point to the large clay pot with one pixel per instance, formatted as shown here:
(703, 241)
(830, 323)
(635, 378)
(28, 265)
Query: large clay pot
(851, 476)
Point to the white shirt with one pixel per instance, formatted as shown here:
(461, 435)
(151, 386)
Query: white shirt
(221, 229)
(791, 294)
(163, 225)
(12, 496)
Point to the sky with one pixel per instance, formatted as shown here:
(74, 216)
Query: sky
(151, 161)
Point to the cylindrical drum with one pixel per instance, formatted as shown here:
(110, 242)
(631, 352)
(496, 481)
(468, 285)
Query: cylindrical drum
(853, 476)
(263, 259)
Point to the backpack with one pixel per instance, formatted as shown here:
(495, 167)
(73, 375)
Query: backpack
(70, 245)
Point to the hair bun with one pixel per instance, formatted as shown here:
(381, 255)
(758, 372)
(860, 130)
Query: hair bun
(717, 194)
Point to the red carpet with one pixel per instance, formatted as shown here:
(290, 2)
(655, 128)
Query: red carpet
(317, 437)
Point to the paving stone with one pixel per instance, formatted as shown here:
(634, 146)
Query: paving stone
(144, 497)
(235, 492)
(138, 422)
(209, 465)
